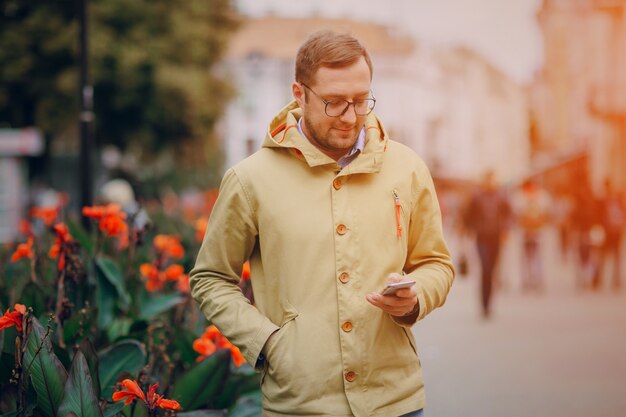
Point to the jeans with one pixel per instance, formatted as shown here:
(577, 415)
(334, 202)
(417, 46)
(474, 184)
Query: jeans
(418, 413)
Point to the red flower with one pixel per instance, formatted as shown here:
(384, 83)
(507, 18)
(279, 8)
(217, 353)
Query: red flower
(154, 278)
(13, 318)
(213, 340)
(201, 225)
(25, 228)
(24, 250)
(111, 221)
(47, 214)
(131, 391)
(63, 233)
(169, 245)
(183, 284)
(56, 252)
(173, 272)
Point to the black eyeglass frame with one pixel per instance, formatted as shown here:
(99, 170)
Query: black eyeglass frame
(348, 103)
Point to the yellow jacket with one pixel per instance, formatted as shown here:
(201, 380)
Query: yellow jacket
(319, 239)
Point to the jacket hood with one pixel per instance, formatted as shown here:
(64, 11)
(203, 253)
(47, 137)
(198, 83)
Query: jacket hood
(283, 133)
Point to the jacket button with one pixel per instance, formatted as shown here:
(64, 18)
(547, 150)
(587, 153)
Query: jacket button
(346, 326)
(337, 184)
(344, 277)
(350, 376)
(342, 229)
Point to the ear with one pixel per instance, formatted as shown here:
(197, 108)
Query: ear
(298, 93)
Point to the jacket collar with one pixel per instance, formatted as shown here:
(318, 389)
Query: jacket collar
(283, 133)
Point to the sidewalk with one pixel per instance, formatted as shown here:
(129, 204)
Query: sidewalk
(558, 353)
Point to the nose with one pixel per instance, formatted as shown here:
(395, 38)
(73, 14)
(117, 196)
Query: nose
(349, 114)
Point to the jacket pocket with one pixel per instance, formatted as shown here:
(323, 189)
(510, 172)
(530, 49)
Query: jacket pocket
(278, 338)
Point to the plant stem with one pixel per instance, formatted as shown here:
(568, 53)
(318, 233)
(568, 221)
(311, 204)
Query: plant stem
(59, 307)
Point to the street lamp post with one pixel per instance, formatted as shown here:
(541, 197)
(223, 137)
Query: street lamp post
(86, 114)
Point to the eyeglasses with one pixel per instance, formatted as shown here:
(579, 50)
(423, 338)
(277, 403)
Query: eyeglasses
(339, 107)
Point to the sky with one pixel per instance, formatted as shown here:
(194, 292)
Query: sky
(505, 32)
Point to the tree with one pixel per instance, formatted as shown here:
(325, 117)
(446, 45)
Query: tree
(150, 65)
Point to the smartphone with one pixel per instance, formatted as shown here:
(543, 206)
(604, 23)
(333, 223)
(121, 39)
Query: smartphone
(391, 289)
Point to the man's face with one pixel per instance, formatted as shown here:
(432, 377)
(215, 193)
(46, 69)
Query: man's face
(335, 136)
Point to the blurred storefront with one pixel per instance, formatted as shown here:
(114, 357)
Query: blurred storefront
(579, 98)
(15, 145)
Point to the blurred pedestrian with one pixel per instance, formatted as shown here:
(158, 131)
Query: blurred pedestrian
(488, 218)
(587, 224)
(563, 207)
(532, 210)
(613, 221)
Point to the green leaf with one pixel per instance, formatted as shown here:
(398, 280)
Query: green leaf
(9, 334)
(248, 406)
(125, 356)
(45, 370)
(203, 413)
(79, 234)
(119, 327)
(150, 306)
(105, 299)
(113, 409)
(241, 381)
(34, 296)
(183, 342)
(110, 290)
(26, 412)
(91, 356)
(202, 384)
(112, 272)
(79, 398)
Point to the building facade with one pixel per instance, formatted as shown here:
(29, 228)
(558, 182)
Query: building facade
(579, 98)
(459, 113)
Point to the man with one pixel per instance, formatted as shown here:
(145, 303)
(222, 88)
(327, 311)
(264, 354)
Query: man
(488, 216)
(532, 206)
(327, 212)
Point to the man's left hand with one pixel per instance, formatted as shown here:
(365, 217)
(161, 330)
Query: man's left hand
(399, 304)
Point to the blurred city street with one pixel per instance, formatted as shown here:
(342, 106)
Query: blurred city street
(557, 353)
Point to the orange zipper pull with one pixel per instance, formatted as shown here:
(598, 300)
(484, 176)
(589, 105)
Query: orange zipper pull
(398, 214)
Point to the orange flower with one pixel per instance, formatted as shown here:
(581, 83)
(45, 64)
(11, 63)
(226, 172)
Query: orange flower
(201, 225)
(24, 250)
(25, 228)
(63, 236)
(111, 221)
(183, 284)
(238, 358)
(13, 318)
(166, 404)
(245, 273)
(173, 272)
(169, 245)
(131, 391)
(205, 347)
(47, 214)
(63, 233)
(212, 332)
(154, 278)
(213, 340)
(114, 225)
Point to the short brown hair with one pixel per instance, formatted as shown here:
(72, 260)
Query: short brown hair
(328, 49)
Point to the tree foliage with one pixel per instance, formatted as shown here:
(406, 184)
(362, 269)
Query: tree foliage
(150, 63)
